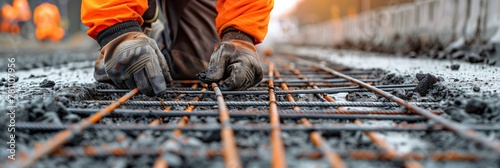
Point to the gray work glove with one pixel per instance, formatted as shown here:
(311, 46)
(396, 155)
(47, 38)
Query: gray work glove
(133, 60)
(234, 64)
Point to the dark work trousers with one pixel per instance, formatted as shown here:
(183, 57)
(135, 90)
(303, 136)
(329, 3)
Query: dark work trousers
(189, 36)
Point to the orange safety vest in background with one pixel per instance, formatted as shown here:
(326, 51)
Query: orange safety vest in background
(23, 10)
(249, 16)
(46, 17)
(9, 20)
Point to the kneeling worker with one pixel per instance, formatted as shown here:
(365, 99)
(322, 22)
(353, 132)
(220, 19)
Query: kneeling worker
(139, 51)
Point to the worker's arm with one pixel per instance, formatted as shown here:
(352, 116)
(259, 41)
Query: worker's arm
(98, 15)
(129, 58)
(234, 64)
(249, 16)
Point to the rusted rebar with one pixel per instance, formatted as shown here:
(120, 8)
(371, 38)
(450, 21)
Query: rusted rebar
(333, 158)
(390, 152)
(451, 125)
(262, 92)
(260, 103)
(160, 162)
(254, 127)
(278, 149)
(167, 109)
(230, 151)
(99, 151)
(311, 114)
(190, 107)
(290, 81)
(62, 137)
(246, 113)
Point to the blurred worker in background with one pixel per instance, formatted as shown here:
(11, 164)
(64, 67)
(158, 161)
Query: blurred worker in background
(15, 16)
(23, 12)
(139, 51)
(9, 20)
(47, 21)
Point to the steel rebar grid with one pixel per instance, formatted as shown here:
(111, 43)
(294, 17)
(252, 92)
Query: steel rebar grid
(262, 92)
(260, 103)
(368, 155)
(230, 151)
(278, 149)
(190, 107)
(389, 151)
(290, 81)
(342, 114)
(254, 127)
(245, 113)
(333, 158)
(160, 162)
(98, 151)
(453, 126)
(62, 137)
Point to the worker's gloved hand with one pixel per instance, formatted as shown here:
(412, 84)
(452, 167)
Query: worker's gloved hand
(234, 64)
(133, 60)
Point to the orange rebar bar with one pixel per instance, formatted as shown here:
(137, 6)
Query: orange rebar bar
(185, 119)
(62, 137)
(453, 155)
(160, 162)
(333, 158)
(449, 155)
(412, 164)
(390, 152)
(448, 124)
(157, 121)
(230, 151)
(278, 149)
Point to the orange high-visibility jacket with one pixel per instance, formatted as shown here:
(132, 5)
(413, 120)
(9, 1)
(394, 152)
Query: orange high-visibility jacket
(9, 22)
(46, 17)
(23, 8)
(249, 16)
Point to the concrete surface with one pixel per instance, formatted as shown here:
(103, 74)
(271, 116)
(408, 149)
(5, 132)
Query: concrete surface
(486, 77)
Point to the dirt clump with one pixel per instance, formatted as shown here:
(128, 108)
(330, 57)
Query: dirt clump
(47, 83)
(426, 81)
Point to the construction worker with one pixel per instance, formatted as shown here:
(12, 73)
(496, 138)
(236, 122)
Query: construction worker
(9, 20)
(47, 21)
(23, 12)
(139, 51)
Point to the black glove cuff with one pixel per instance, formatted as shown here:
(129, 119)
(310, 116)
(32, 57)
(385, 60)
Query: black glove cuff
(232, 33)
(151, 14)
(110, 33)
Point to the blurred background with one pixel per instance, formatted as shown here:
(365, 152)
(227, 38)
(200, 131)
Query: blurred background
(411, 27)
(61, 19)
(434, 28)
